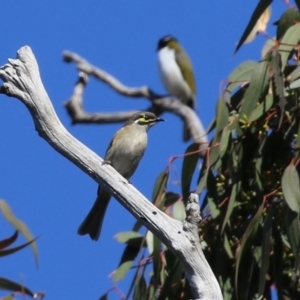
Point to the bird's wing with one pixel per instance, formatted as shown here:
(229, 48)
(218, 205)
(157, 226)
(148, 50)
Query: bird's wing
(107, 153)
(186, 68)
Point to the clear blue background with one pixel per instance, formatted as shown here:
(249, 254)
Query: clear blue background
(48, 192)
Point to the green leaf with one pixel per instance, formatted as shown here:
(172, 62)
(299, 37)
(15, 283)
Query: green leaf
(259, 161)
(151, 293)
(132, 249)
(225, 138)
(159, 189)
(171, 198)
(262, 108)
(227, 247)
(179, 211)
(188, 168)
(258, 84)
(259, 10)
(266, 248)
(222, 116)
(140, 292)
(295, 84)
(211, 126)
(7, 242)
(247, 240)
(240, 75)
(222, 121)
(278, 80)
(9, 285)
(231, 204)
(171, 288)
(298, 136)
(288, 43)
(20, 226)
(287, 20)
(295, 74)
(267, 48)
(290, 188)
(14, 249)
(293, 232)
(150, 241)
(214, 210)
(156, 260)
(228, 289)
(127, 236)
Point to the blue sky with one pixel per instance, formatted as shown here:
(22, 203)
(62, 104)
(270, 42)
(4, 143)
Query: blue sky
(44, 189)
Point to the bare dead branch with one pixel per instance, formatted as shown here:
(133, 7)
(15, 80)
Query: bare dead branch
(86, 67)
(159, 104)
(22, 80)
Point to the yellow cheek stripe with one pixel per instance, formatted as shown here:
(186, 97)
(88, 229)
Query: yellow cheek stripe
(142, 120)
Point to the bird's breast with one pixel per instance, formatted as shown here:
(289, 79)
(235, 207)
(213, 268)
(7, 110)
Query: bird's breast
(127, 150)
(171, 75)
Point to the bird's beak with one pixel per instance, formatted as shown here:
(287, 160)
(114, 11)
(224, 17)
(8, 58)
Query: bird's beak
(159, 120)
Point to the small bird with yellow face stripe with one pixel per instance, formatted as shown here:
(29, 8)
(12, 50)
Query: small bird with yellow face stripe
(124, 154)
(176, 73)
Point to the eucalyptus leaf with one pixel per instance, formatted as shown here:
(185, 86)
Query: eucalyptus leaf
(9, 285)
(291, 188)
(268, 47)
(240, 75)
(159, 189)
(259, 10)
(266, 248)
(295, 84)
(288, 43)
(231, 204)
(295, 74)
(140, 291)
(20, 226)
(188, 168)
(287, 20)
(258, 84)
(224, 141)
(135, 241)
(7, 242)
(127, 236)
(293, 232)
(262, 108)
(179, 211)
(247, 240)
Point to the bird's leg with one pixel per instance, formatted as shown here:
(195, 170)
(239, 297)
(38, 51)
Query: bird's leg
(106, 162)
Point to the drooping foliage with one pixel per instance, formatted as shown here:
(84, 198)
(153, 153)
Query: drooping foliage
(249, 184)
(7, 249)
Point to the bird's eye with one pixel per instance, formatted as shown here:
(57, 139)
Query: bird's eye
(143, 119)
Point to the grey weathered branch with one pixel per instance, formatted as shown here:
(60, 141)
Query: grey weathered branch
(22, 80)
(159, 104)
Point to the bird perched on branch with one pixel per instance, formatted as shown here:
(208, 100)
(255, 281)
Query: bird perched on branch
(176, 73)
(123, 154)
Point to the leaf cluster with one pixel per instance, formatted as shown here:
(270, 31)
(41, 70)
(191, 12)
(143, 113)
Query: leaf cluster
(6, 249)
(250, 176)
(248, 182)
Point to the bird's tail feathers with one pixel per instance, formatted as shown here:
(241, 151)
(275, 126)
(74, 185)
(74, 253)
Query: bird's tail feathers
(92, 224)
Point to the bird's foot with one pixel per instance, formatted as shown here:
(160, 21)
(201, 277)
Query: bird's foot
(106, 162)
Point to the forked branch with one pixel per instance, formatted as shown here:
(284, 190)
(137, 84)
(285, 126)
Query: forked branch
(158, 104)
